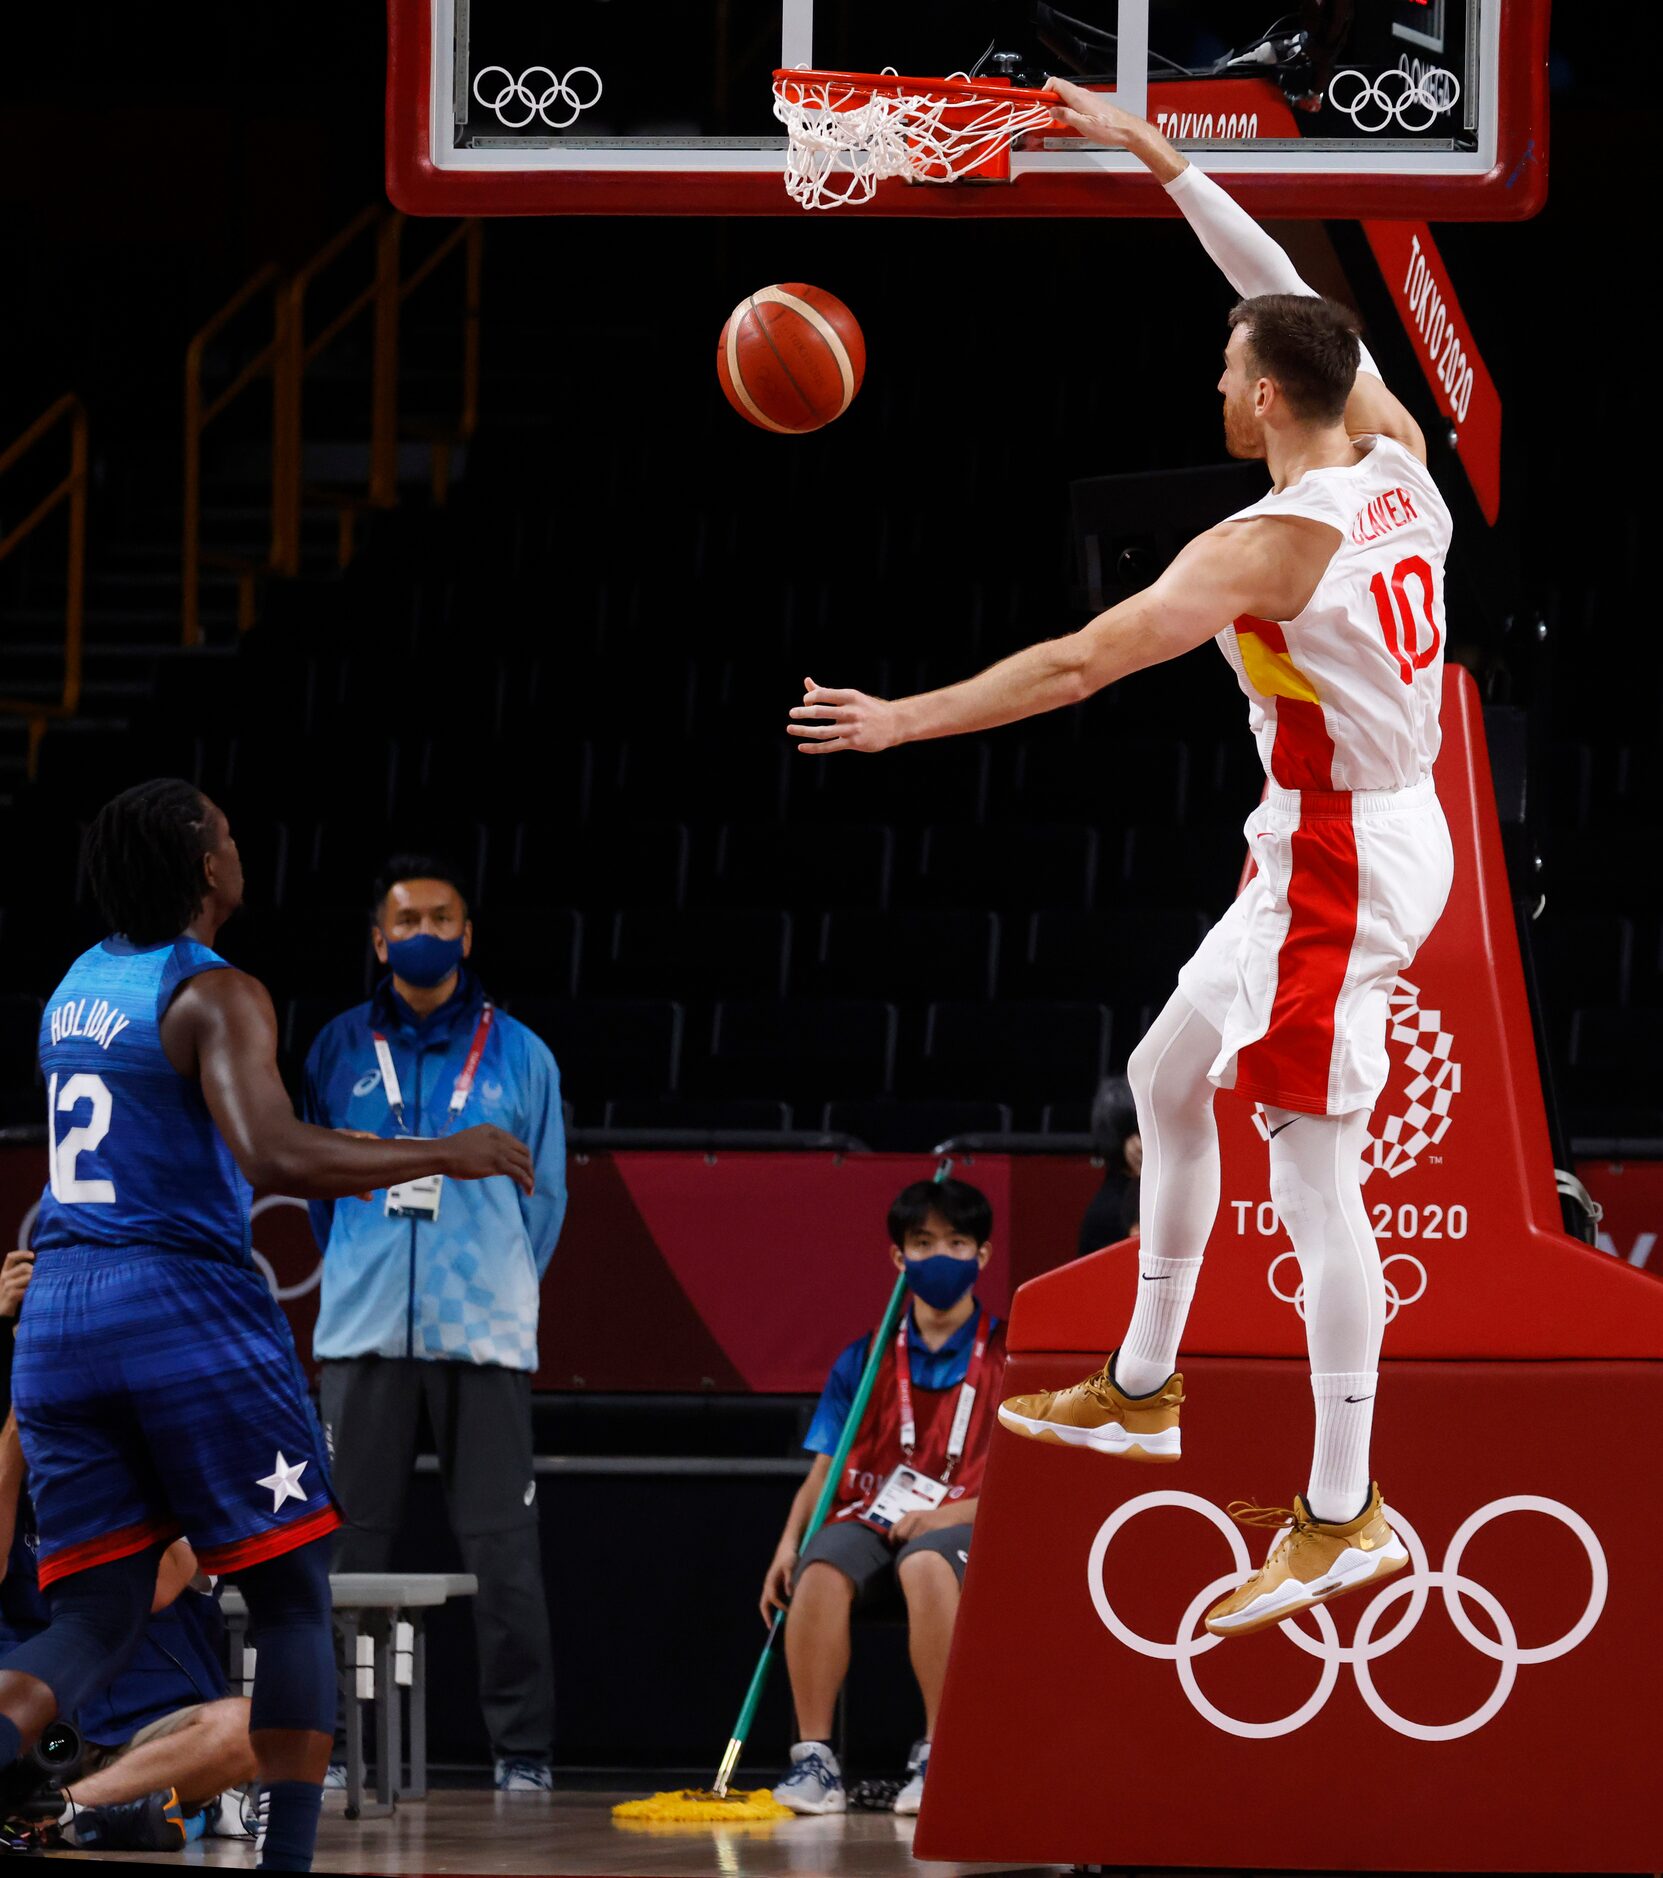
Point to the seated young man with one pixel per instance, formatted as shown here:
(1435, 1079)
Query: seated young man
(906, 1500)
(164, 1738)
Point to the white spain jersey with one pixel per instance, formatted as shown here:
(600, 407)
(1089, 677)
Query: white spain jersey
(1345, 696)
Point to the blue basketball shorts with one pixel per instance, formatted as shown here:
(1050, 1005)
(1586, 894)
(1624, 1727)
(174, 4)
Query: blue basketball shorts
(160, 1395)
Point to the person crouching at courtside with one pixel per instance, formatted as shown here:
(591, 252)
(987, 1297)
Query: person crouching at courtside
(907, 1497)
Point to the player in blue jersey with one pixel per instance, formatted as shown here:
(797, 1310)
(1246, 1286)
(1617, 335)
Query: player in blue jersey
(155, 1387)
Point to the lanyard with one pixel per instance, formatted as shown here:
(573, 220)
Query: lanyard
(464, 1080)
(961, 1415)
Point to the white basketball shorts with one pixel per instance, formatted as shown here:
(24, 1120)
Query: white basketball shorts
(1296, 976)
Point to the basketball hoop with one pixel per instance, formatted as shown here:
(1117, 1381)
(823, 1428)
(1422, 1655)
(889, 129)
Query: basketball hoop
(846, 132)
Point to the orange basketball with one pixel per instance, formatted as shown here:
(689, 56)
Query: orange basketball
(790, 357)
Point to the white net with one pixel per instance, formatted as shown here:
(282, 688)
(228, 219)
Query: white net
(843, 138)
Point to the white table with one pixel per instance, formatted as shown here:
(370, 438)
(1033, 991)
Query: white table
(374, 1604)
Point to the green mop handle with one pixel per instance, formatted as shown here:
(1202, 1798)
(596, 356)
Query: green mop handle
(834, 1474)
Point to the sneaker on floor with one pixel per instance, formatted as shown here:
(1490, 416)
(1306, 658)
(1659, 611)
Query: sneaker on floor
(815, 1782)
(911, 1796)
(151, 1823)
(516, 1774)
(1308, 1562)
(334, 1778)
(1096, 1414)
(228, 1817)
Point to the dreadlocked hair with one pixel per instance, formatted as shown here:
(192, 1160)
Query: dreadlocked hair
(144, 859)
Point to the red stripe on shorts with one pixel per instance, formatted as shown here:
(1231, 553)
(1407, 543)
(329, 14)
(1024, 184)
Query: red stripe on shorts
(1288, 1067)
(122, 1543)
(268, 1544)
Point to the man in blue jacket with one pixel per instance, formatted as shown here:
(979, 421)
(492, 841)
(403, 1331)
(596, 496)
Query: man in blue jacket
(430, 1289)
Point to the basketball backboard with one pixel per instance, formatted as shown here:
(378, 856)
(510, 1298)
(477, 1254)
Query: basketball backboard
(1345, 108)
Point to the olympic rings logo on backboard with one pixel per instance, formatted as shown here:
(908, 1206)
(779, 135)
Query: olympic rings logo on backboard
(517, 95)
(1359, 1656)
(1399, 1139)
(1411, 96)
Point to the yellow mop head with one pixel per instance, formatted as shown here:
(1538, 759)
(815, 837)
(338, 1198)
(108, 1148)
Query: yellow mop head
(696, 1805)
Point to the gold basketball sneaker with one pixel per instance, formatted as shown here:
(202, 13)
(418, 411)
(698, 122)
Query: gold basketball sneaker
(1096, 1414)
(1309, 1563)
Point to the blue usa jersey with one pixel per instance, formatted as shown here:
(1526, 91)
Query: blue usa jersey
(134, 1157)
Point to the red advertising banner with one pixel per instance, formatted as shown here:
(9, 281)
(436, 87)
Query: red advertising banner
(690, 1272)
(1389, 1729)
(1442, 339)
(1631, 1192)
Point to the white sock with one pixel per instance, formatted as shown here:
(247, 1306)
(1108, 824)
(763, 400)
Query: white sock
(1340, 1478)
(1148, 1353)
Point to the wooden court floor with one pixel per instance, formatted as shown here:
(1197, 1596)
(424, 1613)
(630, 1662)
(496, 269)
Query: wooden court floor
(570, 1833)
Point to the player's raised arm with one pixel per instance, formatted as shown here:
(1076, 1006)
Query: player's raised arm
(1244, 254)
(1268, 566)
(221, 1028)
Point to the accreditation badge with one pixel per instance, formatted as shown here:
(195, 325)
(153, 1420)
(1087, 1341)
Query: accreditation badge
(905, 1491)
(416, 1199)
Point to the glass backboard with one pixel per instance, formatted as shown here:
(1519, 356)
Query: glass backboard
(1431, 109)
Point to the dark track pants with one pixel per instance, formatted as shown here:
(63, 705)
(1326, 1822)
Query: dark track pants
(481, 1418)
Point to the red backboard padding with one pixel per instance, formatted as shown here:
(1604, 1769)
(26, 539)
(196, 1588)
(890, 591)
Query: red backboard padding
(1088, 1720)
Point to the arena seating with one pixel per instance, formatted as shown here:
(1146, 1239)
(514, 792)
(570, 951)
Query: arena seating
(664, 884)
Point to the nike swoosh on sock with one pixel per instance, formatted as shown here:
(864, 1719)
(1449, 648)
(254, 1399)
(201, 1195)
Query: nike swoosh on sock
(1155, 1278)
(1359, 1398)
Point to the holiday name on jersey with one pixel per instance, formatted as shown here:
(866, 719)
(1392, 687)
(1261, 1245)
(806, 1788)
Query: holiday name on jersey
(96, 1019)
(1382, 515)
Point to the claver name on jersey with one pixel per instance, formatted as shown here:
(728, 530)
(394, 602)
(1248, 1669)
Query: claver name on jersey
(1382, 515)
(97, 1019)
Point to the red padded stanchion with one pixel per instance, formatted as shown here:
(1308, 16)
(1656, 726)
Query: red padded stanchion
(1494, 1707)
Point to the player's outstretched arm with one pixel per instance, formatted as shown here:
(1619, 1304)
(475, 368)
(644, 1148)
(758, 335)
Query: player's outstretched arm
(1269, 567)
(221, 1029)
(1244, 254)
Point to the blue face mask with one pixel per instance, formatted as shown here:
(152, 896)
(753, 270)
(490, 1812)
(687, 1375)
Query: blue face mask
(941, 1280)
(425, 960)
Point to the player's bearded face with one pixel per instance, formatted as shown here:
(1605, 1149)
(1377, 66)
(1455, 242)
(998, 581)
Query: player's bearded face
(1242, 436)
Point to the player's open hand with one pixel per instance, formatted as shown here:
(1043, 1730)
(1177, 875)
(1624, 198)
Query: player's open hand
(828, 721)
(1095, 116)
(478, 1153)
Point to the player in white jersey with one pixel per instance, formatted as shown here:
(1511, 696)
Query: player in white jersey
(1326, 597)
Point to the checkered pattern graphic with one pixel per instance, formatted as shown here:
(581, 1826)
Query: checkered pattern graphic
(462, 1319)
(1434, 1082)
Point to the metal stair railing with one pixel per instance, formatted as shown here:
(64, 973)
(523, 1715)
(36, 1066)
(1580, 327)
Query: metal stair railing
(71, 490)
(200, 412)
(287, 356)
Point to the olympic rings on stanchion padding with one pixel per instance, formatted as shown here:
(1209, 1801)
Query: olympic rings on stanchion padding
(1395, 1299)
(519, 95)
(1415, 1584)
(1413, 100)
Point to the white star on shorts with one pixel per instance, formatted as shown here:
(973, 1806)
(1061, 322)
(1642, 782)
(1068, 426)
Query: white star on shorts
(285, 1482)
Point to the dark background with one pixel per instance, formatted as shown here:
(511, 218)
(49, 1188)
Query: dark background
(634, 570)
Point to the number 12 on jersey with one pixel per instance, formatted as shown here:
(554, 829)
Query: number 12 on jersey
(65, 1150)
